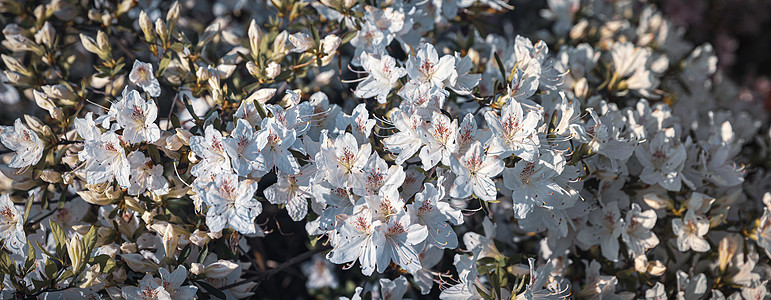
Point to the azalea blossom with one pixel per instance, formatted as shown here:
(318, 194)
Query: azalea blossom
(142, 75)
(230, 202)
(12, 226)
(23, 141)
(137, 118)
(383, 75)
(514, 132)
(690, 231)
(474, 172)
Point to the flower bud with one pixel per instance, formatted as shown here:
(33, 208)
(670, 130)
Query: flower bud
(51, 176)
(197, 268)
(220, 269)
(103, 42)
(170, 240)
(46, 35)
(255, 36)
(20, 43)
(273, 70)
(656, 202)
(173, 14)
(15, 65)
(75, 251)
(139, 263)
(147, 26)
(199, 238)
(17, 79)
(727, 249)
(656, 268)
(330, 43)
(279, 46)
(128, 247)
(60, 91)
(91, 46)
(253, 69)
(162, 30)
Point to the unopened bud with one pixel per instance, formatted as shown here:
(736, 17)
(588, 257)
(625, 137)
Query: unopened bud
(255, 36)
(173, 14)
(46, 35)
(161, 30)
(147, 26)
(272, 70)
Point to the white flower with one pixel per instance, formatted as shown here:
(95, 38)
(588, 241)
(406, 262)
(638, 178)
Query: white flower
(230, 203)
(393, 290)
(427, 68)
(533, 182)
(359, 121)
(211, 148)
(395, 239)
(690, 288)
(23, 141)
(343, 160)
(637, 232)
(376, 174)
(146, 176)
(109, 161)
(460, 81)
(168, 286)
(274, 140)
(12, 226)
(763, 232)
(663, 159)
(439, 140)
(244, 151)
(474, 173)
(137, 118)
(354, 241)
(142, 75)
(690, 231)
(427, 210)
(514, 132)
(292, 190)
(406, 142)
(606, 228)
(383, 75)
(320, 273)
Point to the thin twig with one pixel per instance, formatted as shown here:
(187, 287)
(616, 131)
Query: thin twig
(269, 273)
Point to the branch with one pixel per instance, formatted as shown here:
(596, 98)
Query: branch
(269, 273)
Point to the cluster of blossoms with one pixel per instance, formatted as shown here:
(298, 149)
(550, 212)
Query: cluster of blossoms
(609, 159)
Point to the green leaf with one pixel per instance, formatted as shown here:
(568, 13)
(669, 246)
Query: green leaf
(500, 66)
(109, 266)
(348, 36)
(7, 266)
(50, 269)
(89, 240)
(211, 289)
(59, 237)
(203, 254)
(28, 207)
(30, 261)
(184, 254)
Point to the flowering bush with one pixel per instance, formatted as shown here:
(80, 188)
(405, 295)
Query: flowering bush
(590, 153)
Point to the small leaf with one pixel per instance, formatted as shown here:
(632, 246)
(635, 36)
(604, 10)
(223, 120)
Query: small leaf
(7, 266)
(211, 289)
(89, 240)
(348, 36)
(30, 261)
(59, 237)
(28, 207)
